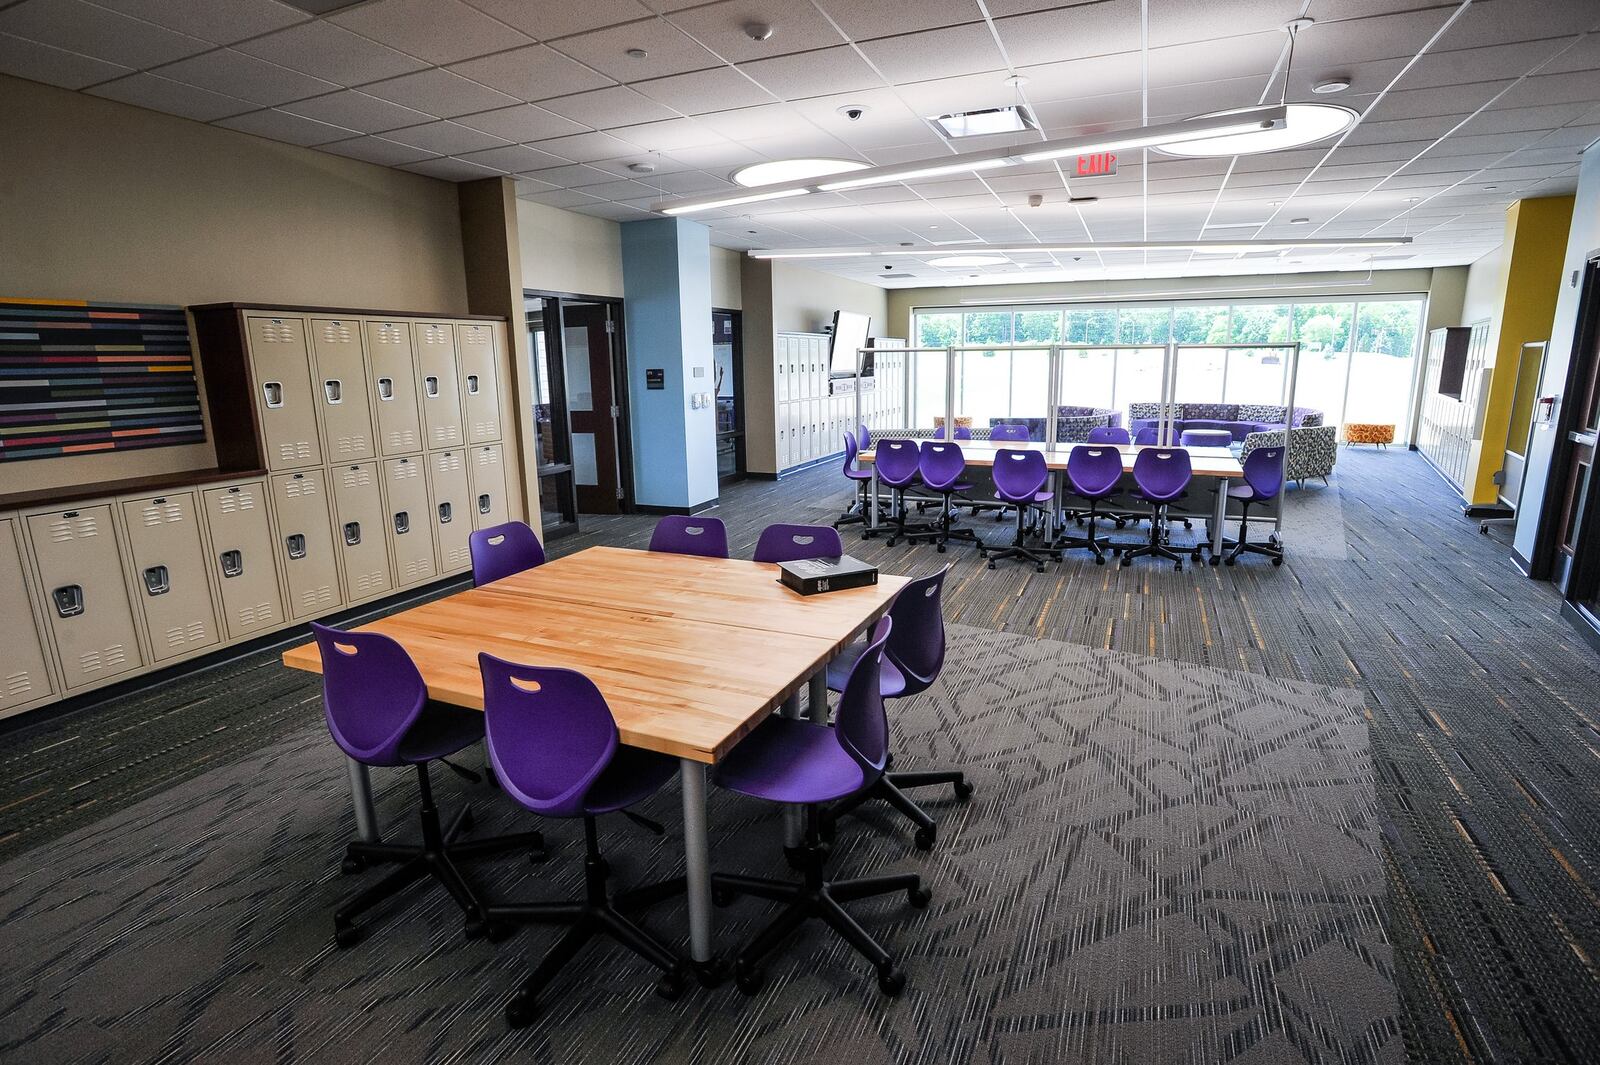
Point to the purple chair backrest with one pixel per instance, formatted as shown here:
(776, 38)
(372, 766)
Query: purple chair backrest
(863, 438)
(1147, 435)
(550, 733)
(371, 693)
(850, 452)
(501, 550)
(1009, 432)
(1263, 470)
(963, 432)
(679, 535)
(1109, 434)
(1094, 471)
(940, 463)
(917, 646)
(788, 543)
(1162, 472)
(859, 724)
(897, 461)
(1019, 474)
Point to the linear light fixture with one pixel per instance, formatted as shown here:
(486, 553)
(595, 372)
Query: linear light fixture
(1190, 129)
(1103, 246)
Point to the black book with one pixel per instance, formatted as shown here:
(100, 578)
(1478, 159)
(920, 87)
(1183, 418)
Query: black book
(812, 575)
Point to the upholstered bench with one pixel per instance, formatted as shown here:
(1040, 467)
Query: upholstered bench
(1368, 433)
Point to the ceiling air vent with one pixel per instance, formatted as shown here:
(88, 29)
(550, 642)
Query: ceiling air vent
(984, 123)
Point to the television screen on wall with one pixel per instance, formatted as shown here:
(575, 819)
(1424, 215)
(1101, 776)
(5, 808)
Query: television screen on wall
(849, 334)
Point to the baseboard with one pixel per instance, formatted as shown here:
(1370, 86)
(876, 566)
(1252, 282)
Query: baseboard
(837, 456)
(1521, 563)
(1486, 510)
(1581, 622)
(753, 476)
(684, 512)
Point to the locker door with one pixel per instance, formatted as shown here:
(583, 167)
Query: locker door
(394, 387)
(780, 369)
(24, 668)
(783, 436)
(438, 384)
(86, 599)
(480, 382)
(359, 524)
(452, 509)
(341, 388)
(168, 564)
(488, 486)
(305, 543)
(406, 521)
(282, 365)
(242, 558)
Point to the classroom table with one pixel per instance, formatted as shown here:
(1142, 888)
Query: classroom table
(1218, 463)
(690, 653)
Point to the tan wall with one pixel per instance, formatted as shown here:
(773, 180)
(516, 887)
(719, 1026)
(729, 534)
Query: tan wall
(567, 252)
(803, 301)
(760, 400)
(103, 201)
(726, 282)
(1486, 287)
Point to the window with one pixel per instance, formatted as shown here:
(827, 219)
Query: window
(937, 330)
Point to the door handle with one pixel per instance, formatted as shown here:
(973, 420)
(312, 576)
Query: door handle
(334, 390)
(68, 600)
(296, 542)
(273, 390)
(232, 563)
(402, 522)
(156, 581)
(352, 533)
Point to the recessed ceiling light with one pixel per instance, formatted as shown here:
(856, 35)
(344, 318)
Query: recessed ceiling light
(1306, 124)
(1332, 85)
(968, 260)
(780, 170)
(985, 122)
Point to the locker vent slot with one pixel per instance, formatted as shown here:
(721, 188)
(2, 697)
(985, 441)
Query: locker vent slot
(236, 501)
(19, 684)
(357, 477)
(276, 332)
(389, 333)
(448, 462)
(296, 452)
(481, 429)
(435, 334)
(160, 512)
(376, 581)
(401, 470)
(313, 598)
(460, 557)
(104, 659)
(446, 434)
(300, 488)
(336, 332)
(487, 457)
(355, 444)
(260, 614)
(183, 636)
(402, 438)
(73, 526)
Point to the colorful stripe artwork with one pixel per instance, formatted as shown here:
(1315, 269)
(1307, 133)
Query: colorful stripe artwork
(79, 377)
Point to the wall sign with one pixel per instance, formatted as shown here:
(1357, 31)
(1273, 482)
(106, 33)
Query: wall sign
(1097, 164)
(655, 379)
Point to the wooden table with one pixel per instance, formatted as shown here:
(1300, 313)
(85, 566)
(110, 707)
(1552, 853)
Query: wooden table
(1210, 462)
(690, 653)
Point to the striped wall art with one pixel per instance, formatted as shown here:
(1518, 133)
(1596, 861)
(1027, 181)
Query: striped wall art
(79, 377)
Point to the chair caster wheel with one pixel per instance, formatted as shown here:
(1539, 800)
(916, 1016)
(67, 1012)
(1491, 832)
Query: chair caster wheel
(941, 549)
(1126, 562)
(721, 897)
(991, 564)
(919, 897)
(1227, 562)
(1177, 567)
(1099, 560)
(521, 1011)
(963, 790)
(1039, 568)
(708, 974)
(1216, 560)
(1277, 562)
(476, 928)
(1187, 524)
(890, 543)
(353, 864)
(1122, 523)
(748, 980)
(924, 839)
(891, 981)
(671, 986)
(346, 935)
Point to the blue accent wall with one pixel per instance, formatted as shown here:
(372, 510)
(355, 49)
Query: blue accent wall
(666, 277)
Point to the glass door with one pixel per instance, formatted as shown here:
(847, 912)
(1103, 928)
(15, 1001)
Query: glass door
(593, 411)
(726, 349)
(558, 508)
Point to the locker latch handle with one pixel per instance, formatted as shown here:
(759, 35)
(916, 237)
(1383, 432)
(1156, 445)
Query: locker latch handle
(402, 522)
(431, 385)
(445, 514)
(484, 506)
(156, 581)
(352, 533)
(296, 543)
(273, 390)
(334, 390)
(385, 388)
(68, 600)
(472, 384)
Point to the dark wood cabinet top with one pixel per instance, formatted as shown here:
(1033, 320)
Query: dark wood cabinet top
(342, 312)
(41, 497)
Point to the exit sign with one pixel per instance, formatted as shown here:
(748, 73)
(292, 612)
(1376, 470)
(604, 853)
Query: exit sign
(1098, 164)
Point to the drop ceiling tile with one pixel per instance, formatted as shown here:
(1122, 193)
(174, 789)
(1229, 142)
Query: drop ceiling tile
(865, 19)
(723, 154)
(451, 170)
(660, 165)
(946, 52)
(819, 73)
(1251, 56)
(236, 74)
(564, 198)
(282, 126)
(445, 138)
(717, 89)
(1072, 32)
(615, 211)
(331, 52)
(513, 158)
(357, 111)
(53, 66)
(439, 92)
(791, 145)
(439, 31)
(98, 33)
(532, 73)
(721, 28)
(667, 50)
(669, 136)
(524, 122)
(604, 108)
(692, 183)
(587, 147)
(572, 177)
(625, 190)
(211, 20)
(172, 97)
(376, 150)
(1181, 21)
(547, 21)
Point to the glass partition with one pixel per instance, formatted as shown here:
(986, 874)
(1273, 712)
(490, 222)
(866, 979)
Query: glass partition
(1199, 375)
(926, 397)
(1383, 365)
(1324, 331)
(1002, 386)
(1254, 375)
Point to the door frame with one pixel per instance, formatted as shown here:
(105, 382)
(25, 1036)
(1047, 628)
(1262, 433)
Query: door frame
(740, 459)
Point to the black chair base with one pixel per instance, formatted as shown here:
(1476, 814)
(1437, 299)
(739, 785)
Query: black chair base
(598, 914)
(436, 856)
(1158, 545)
(856, 513)
(1272, 547)
(900, 529)
(888, 787)
(816, 898)
(1019, 547)
(1097, 544)
(942, 532)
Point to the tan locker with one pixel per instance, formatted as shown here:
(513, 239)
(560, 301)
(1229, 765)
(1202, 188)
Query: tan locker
(341, 389)
(406, 520)
(358, 524)
(305, 543)
(86, 599)
(488, 485)
(480, 382)
(394, 387)
(452, 508)
(282, 365)
(167, 565)
(24, 666)
(438, 384)
(242, 558)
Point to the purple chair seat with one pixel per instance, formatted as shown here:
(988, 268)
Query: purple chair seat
(791, 761)
(891, 682)
(632, 775)
(440, 730)
(1241, 491)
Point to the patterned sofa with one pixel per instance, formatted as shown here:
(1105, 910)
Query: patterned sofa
(1073, 423)
(1239, 419)
(1313, 449)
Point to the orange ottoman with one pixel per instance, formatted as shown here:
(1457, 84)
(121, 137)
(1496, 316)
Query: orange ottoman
(1368, 433)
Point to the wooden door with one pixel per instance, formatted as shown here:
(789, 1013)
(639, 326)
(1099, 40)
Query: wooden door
(587, 341)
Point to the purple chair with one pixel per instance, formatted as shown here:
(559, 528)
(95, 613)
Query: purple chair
(1263, 477)
(1160, 476)
(1094, 473)
(856, 514)
(790, 543)
(678, 535)
(801, 763)
(501, 550)
(898, 462)
(941, 464)
(554, 745)
(379, 713)
(1011, 433)
(963, 432)
(1019, 479)
(1147, 436)
(863, 439)
(912, 660)
(1109, 434)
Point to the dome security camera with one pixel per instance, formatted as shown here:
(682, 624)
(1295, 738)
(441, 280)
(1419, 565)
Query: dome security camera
(853, 112)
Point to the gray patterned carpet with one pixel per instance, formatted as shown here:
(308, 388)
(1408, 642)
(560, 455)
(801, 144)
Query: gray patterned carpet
(1162, 863)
